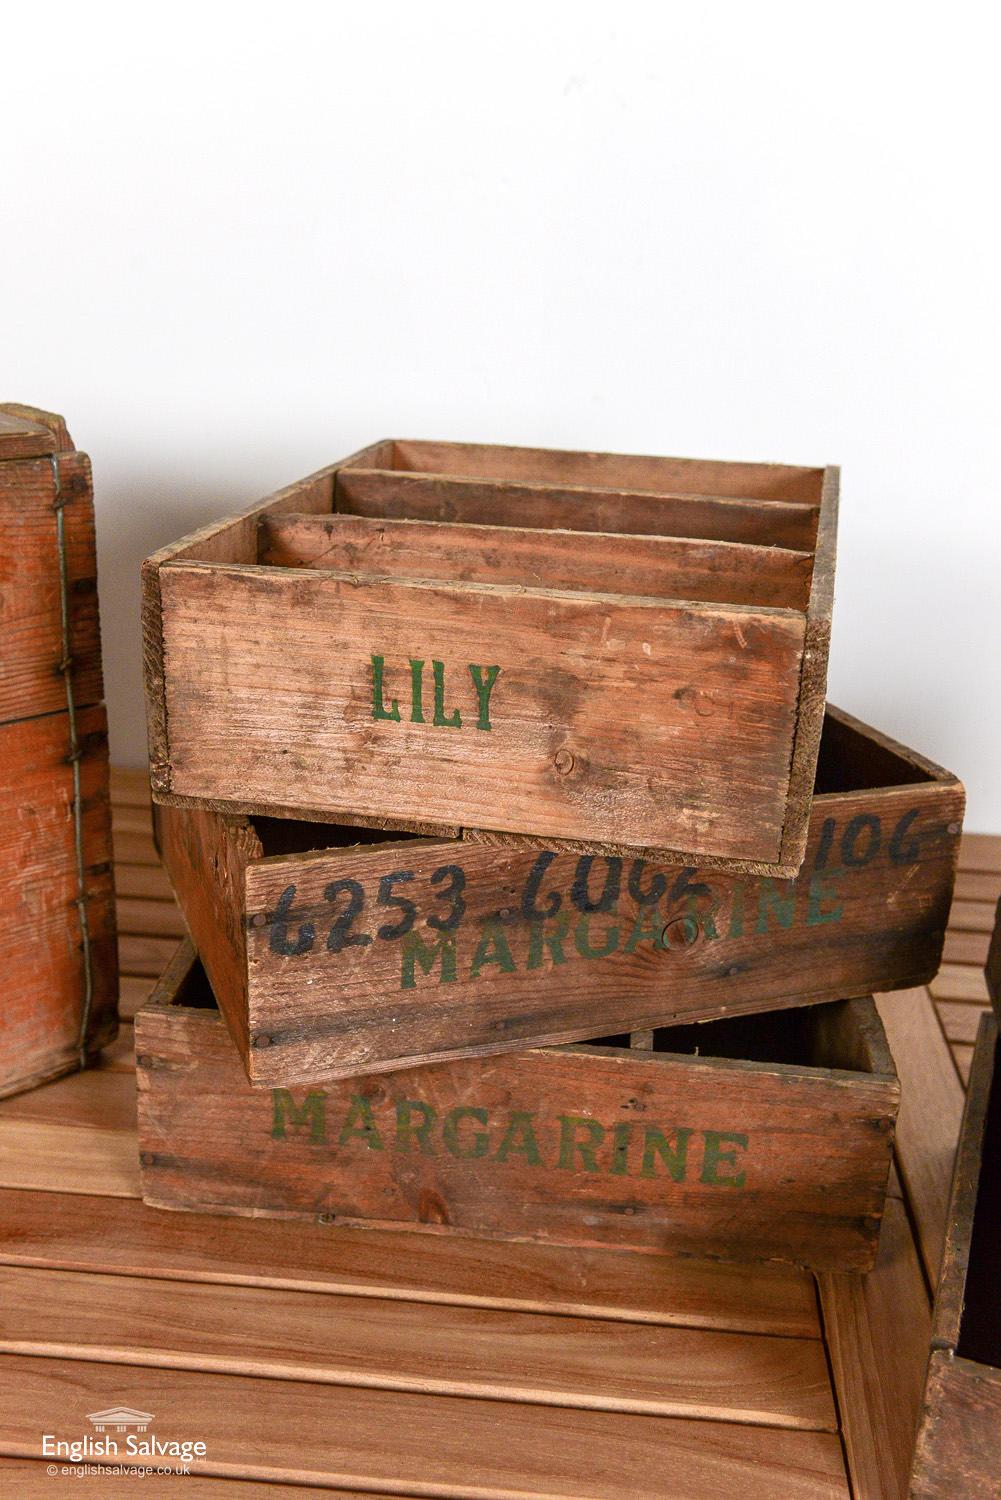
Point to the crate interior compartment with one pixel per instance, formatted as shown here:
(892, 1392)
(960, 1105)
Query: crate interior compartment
(676, 529)
(980, 1321)
(833, 1035)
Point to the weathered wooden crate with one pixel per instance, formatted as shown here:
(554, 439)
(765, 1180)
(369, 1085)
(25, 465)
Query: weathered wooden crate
(618, 653)
(773, 1144)
(336, 950)
(60, 989)
(958, 1453)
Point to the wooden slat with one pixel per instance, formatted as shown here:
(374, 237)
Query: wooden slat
(91, 1100)
(145, 955)
(392, 495)
(429, 1445)
(965, 948)
(129, 786)
(958, 982)
(101, 1234)
(662, 567)
(132, 819)
(960, 1022)
(142, 882)
(29, 1479)
(56, 1159)
(149, 918)
(962, 1056)
(134, 848)
(981, 852)
(133, 991)
(552, 466)
(393, 1345)
(976, 885)
(972, 916)
(877, 1329)
(931, 1108)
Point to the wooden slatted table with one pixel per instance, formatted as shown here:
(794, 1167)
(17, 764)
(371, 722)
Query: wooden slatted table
(351, 1361)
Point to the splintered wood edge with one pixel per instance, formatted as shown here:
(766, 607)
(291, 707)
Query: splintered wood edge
(963, 1197)
(812, 700)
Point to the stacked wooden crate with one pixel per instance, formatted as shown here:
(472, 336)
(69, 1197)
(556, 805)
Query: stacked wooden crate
(536, 891)
(59, 1003)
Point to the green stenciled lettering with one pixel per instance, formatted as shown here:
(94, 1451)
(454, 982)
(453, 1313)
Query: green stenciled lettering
(415, 951)
(483, 691)
(539, 939)
(706, 919)
(823, 888)
(771, 900)
(648, 924)
(441, 720)
(360, 1122)
(493, 948)
(379, 709)
(416, 691)
(311, 1112)
(519, 1139)
(571, 1145)
(714, 1156)
(737, 911)
(621, 1135)
(675, 1158)
(406, 1128)
(478, 1143)
(582, 938)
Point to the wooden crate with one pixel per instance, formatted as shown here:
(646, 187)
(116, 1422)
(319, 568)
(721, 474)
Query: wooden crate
(618, 653)
(958, 1453)
(331, 956)
(776, 1148)
(59, 1003)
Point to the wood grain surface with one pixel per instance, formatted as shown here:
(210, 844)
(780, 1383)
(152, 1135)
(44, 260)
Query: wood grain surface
(749, 1160)
(42, 1014)
(66, 1230)
(348, 957)
(518, 727)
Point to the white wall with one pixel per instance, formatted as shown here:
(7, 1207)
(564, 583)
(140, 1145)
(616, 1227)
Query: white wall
(238, 241)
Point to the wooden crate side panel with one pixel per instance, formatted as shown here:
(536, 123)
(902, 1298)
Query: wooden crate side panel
(434, 497)
(31, 681)
(633, 471)
(591, 1146)
(506, 946)
(234, 539)
(206, 855)
(43, 992)
(958, 1454)
(813, 677)
(657, 566)
(608, 718)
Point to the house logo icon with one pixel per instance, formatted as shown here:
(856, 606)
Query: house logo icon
(120, 1419)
